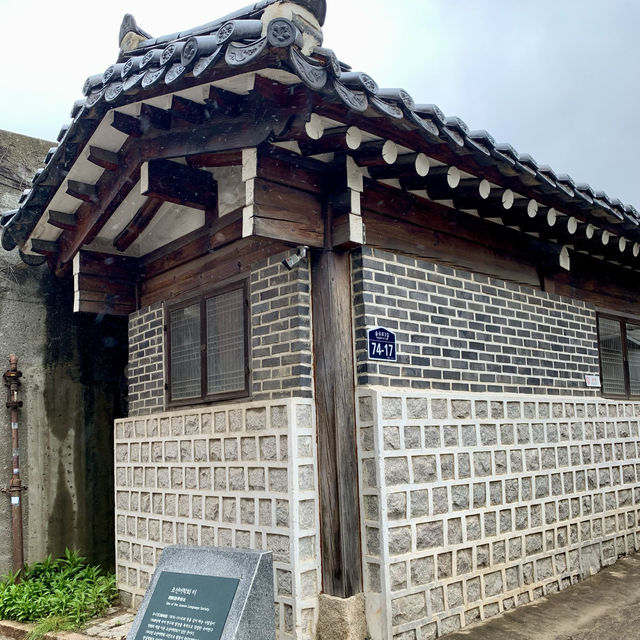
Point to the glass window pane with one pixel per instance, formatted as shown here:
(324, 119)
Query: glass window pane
(633, 353)
(225, 342)
(610, 338)
(185, 353)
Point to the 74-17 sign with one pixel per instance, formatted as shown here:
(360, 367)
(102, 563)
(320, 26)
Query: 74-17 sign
(382, 344)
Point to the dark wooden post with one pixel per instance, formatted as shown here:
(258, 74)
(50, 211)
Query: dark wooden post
(335, 409)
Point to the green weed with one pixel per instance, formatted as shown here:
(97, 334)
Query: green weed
(60, 594)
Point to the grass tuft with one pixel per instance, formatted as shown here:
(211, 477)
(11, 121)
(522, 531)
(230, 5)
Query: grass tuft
(57, 595)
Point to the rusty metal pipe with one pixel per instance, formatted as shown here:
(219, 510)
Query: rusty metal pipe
(12, 382)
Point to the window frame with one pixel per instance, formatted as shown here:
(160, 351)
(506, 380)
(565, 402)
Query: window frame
(622, 321)
(201, 298)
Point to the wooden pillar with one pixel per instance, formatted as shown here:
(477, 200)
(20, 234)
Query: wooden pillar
(335, 409)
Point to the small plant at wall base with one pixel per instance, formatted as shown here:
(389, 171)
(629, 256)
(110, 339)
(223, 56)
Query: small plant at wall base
(59, 594)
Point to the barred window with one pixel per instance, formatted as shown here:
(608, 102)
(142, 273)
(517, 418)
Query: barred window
(207, 354)
(619, 343)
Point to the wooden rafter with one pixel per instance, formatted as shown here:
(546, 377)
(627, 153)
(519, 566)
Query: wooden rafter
(138, 224)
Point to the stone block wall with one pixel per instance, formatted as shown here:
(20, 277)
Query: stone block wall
(280, 340)
(237, 475)
(458, 331)
(472, 504)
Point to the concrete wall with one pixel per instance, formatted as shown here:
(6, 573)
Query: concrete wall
(70, 393)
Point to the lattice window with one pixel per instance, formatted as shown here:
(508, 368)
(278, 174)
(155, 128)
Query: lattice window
(208, 347)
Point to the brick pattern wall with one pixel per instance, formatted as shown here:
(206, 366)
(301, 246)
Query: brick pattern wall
(280, 341)
(237, 475)
(466, 332)
(280, 330)
(146, 360)
(474, 504)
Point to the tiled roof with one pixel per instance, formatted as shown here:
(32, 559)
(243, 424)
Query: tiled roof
(239, 42)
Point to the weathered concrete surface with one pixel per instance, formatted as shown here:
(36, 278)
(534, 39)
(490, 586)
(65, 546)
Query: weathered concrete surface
(602, 607)
(70, 364)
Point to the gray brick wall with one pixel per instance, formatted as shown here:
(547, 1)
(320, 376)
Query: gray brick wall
(146, 360)
(280, 330)
(466, 332)
(280, 341)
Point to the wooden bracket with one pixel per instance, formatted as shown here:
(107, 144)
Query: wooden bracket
(177, 183)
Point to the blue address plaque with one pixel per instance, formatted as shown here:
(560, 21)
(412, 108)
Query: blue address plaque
(382, 344)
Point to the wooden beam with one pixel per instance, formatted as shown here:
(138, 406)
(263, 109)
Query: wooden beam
(154, 118)
(289, 169)
(407, 166)
(225, 230)
(471, 193)
(125, 123)
(188, 110)
(439, 183)
(181, 140)
(44, 247)
(61, 220)
(335, 418)
(221, 159)
(138, 224)
(212, 267)
(276, 211)
(420, 240)
(499, 201)
(172, 182)
(109, 160)
(379, 152)
(82, 191)
(344, 138)
(112, 189)
(104, 283)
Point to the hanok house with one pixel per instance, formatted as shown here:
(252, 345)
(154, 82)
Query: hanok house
(257, 208)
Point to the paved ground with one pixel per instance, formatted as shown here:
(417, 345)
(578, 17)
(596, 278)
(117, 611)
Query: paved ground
(603, 607)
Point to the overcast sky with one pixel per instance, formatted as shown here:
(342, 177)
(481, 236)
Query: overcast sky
(555, 78)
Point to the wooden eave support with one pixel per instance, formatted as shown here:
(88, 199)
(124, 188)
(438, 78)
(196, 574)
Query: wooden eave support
(108, 160)
(345, 226)
(406, 167)
(220, 159)
(346, 139)
(282, 201)
(172, 182)
(440, 183)
(379, 152)
(154, 118)
(125, 123)
(288, 168)
(276, 211)
(189, 111)
(113, 186)
(138, 224)
(498, 201)
(523, 215)
(471, 193)
(104, 283)
(44, 247)
(61, 220)
(437, 231)
(82, 191)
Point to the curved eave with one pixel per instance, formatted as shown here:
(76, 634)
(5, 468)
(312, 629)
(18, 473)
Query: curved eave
(357, 96)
